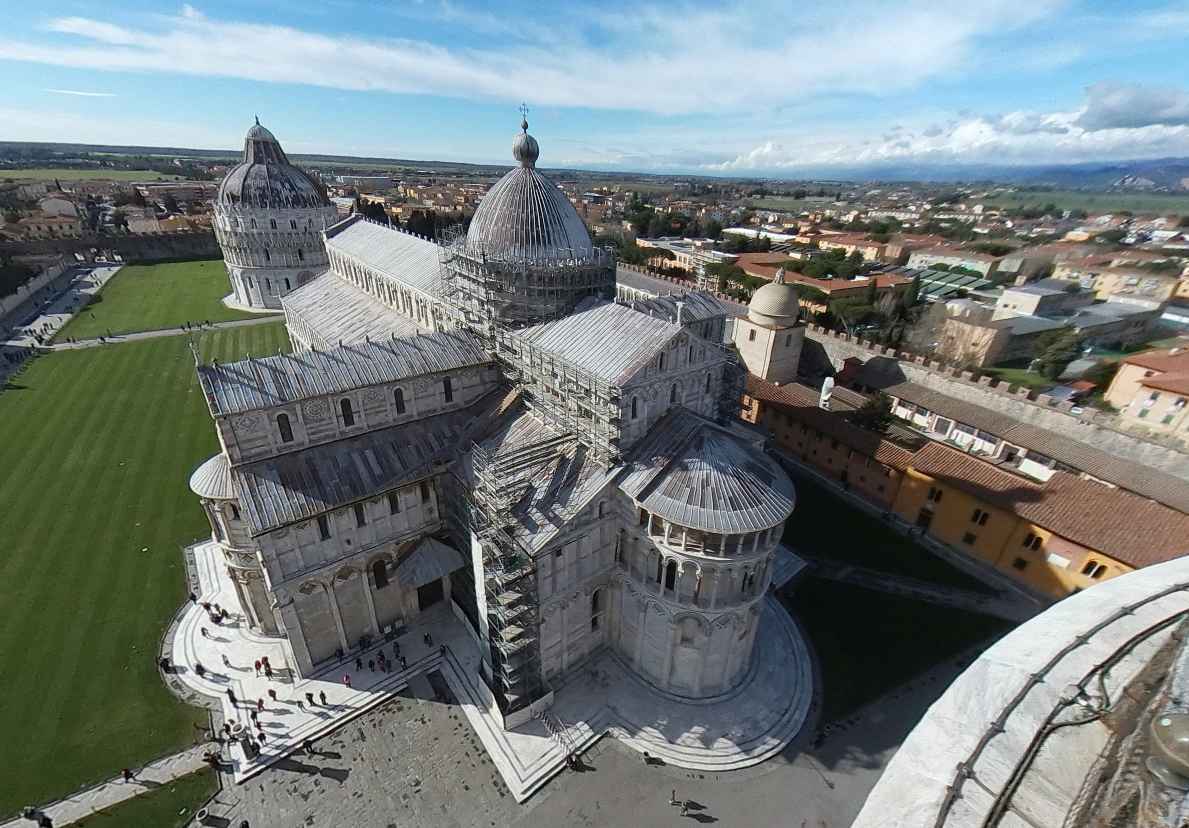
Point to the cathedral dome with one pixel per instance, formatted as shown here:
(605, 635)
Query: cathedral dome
(526, 217)
(265, 178)
(774, 303)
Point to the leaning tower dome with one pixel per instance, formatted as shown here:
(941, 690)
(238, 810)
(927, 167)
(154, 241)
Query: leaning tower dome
(269, 218)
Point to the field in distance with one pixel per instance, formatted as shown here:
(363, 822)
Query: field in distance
(86, 174)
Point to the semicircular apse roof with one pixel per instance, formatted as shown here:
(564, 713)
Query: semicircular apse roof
(695, 474)
(212, 479)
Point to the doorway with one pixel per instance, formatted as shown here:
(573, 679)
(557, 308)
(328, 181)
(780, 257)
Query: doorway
(430, 594)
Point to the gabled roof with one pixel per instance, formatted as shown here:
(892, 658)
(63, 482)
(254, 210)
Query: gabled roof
(1131, 529)
(696, 474)
(252, 384)
(337, 311)
(407, 258)
(277, 491)
(610, 341)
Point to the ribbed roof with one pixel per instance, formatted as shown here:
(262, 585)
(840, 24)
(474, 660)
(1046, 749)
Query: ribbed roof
(695, 474)
(406, 258)
(269, 381)
(266, 179)
(525, 217)
(213, 479)
(776, 300)
(612, 342)
(277, 491)
(337, 311)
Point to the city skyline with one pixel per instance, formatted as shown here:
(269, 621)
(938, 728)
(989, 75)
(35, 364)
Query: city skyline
(744, 89)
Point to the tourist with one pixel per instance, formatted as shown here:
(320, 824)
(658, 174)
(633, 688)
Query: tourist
(308, 746)
(428, 640)
(347, 679)
(673, 797)
(402, 662)
(301, 705)
(257, 666)
(648, 759)
(205, 634)
(199, 669)
(127, 774)
(206, 606)
(272, 694)
(259, 704)
(310, 699)
(371, 665)
(442, 651)
(358, 664)
(231, 696)
(226, 661)
(685, 808)
(322, 697)
(193, 597)
(268, 671)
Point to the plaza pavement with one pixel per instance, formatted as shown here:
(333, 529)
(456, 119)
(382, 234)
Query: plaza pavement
(742, 728)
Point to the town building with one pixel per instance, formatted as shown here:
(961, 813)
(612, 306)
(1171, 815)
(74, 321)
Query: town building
(981, 263)
(269, 218)
(1151, 392)
(480, 422)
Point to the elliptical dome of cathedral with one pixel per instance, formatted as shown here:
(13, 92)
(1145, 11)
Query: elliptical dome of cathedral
(265, 178)
(526, 217)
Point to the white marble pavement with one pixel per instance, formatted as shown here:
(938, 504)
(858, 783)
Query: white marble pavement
(744, 727)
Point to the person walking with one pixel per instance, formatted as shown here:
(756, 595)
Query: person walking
(685, 808)
(259, 705)
(322, 697)
(673, 797)
(257, 666)
(346, 680)
(231, 696)
(310, 699)
(272, 694)
(127, 774)
(371, 665)
(226, 661)
(308, 746)
(268, 671)
(301, 705)
(358, 664)
(204, 632)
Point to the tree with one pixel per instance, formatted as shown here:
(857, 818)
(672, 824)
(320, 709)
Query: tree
(913, 293)
(1059, 348)
(723, 272)
(875, 414)
(871, 292)
(1101, 373)
(852, 310)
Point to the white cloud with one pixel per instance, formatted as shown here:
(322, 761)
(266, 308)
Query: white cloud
(1118, 122)
(81, 94)
(660, 58)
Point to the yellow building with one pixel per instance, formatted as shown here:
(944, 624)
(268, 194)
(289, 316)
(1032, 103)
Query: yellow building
(1059, 536)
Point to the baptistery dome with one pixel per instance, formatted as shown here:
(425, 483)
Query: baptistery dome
(526, 217)
(266, 179)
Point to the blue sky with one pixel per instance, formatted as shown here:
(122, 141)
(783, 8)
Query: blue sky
(724, 87)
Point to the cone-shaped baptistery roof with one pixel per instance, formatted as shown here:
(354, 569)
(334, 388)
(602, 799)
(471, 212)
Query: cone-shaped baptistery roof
(525, 217)
(266, 179)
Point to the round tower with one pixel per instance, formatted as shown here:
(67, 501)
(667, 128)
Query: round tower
(269, 218)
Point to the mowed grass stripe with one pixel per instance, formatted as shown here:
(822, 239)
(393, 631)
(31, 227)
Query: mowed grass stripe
(81, 607)
(152, 297)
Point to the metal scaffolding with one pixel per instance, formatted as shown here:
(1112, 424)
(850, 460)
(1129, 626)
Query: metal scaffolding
(509, 572)
(487, 290)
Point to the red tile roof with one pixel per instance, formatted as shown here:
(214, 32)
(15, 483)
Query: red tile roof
(1137, 531)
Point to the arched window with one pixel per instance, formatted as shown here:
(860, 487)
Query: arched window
(671, 575)
(285, 428)
(691, 353)
(348, 412)
(293, 223)
(448, 389)
(234, 511)
(380, 574)
(672, 393)
(398, 400)
(707, 383)
(635, 407)
(267, 256)
(660, 362)
(596, 609)
(1094, 569)
(601, 505)
(751, 336)
(272, 223)
(301, 255)
(689, 632)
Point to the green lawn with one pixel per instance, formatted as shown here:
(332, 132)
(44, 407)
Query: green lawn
(1138, 203)
(96, 446)
(823, 525)
(868, 642)
(86, 174)
(156, 296)
(168, 806)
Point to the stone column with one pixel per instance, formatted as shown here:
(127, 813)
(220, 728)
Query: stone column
(333, 598)
(371, 604)
(295, 635)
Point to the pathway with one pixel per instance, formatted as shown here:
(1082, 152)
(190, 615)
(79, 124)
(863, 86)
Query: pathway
(129, 337)
(1000, 606)
(116, 790)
